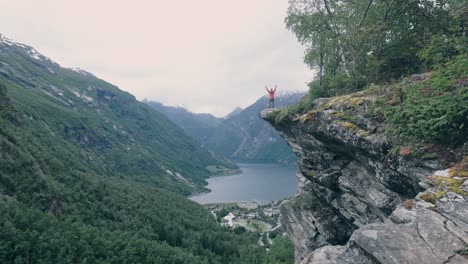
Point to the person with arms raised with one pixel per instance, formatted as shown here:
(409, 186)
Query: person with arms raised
(271, 93)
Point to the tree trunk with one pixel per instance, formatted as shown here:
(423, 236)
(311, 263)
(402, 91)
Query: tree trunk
(321, 67)
(337, 34)
(388, 4)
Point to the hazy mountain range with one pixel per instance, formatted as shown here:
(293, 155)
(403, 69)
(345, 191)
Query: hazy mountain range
(242, 135)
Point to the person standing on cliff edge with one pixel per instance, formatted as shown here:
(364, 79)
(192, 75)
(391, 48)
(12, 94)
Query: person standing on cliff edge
(271, 93)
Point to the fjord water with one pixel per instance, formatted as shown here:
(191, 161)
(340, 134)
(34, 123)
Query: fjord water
(257, 182)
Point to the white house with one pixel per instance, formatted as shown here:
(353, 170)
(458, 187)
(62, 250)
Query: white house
(227, 220)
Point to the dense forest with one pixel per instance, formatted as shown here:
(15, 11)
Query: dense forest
(90, 175)
(354, 43)
(375, 46)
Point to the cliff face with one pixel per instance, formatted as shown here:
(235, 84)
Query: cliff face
(348, 206)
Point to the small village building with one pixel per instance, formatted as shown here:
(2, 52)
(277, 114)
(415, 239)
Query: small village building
(228, 220)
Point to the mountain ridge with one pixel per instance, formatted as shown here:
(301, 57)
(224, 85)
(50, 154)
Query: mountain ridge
(101, 113)
(243, 136)
(89, 174)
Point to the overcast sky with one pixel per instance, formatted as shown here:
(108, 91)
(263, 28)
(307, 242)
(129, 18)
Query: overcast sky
(206, 55)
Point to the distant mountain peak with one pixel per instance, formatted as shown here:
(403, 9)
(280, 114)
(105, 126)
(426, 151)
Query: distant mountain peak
(37, 56)
(6, 40)
(288, 92)
(234, 112)
(32, 52)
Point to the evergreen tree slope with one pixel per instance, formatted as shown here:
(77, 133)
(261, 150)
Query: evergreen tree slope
(83, 172)
(106, 128)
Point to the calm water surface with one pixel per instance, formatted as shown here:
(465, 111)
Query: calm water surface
(258, 182)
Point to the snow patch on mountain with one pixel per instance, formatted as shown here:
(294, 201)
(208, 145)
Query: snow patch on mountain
(30, 51)
(80, 71)
(84, 97)
(288, 92)
(6, 40)
(34, 54)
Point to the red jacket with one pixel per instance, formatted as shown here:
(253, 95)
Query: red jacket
(271, 92)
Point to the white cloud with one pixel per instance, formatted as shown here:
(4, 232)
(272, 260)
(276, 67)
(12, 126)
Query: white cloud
(208, 55)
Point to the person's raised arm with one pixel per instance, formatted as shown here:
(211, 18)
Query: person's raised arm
(274, 89)
(267, 88)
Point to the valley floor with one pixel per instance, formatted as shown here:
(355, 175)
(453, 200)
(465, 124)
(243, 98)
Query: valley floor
(262, 218)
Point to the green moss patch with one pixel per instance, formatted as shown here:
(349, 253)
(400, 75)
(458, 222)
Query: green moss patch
(350, 126)
(442, 185)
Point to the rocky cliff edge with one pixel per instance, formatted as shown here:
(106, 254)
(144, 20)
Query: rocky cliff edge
(360, 201)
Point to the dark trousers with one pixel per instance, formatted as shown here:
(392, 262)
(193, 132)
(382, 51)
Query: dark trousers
(271, 103)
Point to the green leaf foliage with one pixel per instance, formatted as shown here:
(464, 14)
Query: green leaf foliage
(282, 251)
(354, 43)
(434, 111)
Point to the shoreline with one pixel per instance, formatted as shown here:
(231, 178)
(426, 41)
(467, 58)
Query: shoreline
(231, 173)
(247, 170)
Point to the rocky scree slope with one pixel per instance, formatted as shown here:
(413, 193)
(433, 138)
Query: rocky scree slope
(355, 199)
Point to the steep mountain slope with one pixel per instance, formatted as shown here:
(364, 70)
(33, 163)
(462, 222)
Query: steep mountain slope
(198, 126)
(246, 137)
(82, 167)
(234, 112)
(111, 130)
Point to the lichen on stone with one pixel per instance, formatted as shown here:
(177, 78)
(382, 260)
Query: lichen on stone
(363, 133)
(431, 197)
(309, 115)
(350, 126)
(349, 101)
(446, 182)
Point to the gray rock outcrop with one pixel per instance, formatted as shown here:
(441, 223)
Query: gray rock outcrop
(348, 206)
(423, 233)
